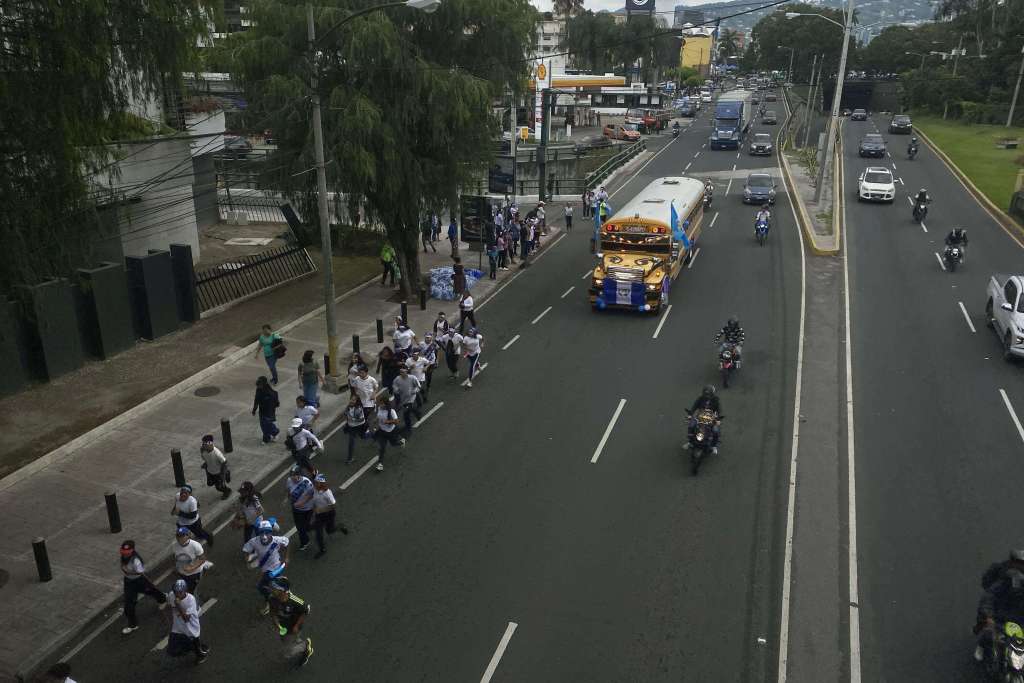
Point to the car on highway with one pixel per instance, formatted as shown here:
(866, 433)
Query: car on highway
(770, 97)
(871, 145)
(688, 109)
(769, 118)
(859, 115)
(761, 145)
(876, 184)
(759, 188)
(584, 145)
(901, 124)
(705, 96)
(1004, 312)
(620, 132)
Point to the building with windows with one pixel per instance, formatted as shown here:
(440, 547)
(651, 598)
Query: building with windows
(547, 43)
(698, 49)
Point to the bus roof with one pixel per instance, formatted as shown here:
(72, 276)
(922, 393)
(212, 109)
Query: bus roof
(653, 201)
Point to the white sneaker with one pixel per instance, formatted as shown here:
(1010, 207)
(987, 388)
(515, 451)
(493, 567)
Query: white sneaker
(401, 443)
(468, 384)
(207, 566)
(714, 450)
(380, 467)
(129, 629)
(979, 653)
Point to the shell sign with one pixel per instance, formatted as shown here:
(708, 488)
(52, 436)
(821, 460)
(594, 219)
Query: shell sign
(542, 72)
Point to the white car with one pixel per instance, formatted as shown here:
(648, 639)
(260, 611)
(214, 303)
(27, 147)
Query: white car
(705, 96)
(876, 184)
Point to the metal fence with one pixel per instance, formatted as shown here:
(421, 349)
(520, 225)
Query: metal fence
(250, 274)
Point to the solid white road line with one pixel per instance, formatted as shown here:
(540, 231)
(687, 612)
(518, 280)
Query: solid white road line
(510, 342)
(941, 264)
(713, 219)
(587, 274)
(492, 666)
(333, 431)
(687, 167)
(567, 292)
(696, 252)
(924, 227)
(512, 279)
(608, 431)
(291, 532)
(362, 470)
(429, 413)
(787, 564)
(542, 314)
(728, 187)
(202, 610)
(480, 368)
(89, 638)
(668, 309)
(1013, 414)
(967, 317)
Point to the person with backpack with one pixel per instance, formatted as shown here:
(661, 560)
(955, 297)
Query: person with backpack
(272, 347)
(266, 402)
(135, 583)
(301, 442)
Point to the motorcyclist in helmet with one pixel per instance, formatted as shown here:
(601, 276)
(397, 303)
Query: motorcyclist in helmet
(922, 197)
(956, 237)
(763, 214)
(731, 335)
(708, 400)
(912, 146)
(709, 188)
(1002, 601)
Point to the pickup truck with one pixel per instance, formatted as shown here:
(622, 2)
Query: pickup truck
(620, 132)
(1004, 312)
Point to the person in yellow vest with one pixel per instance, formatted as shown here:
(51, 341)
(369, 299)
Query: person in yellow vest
(387, 260)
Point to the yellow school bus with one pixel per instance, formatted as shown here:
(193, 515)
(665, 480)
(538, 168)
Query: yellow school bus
(640, 255)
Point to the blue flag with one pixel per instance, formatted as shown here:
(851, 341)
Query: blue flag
(678, 231)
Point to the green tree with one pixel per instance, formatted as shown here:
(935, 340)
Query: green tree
(71, 71)
(728, 44)
(590, 39)
(808, 36)
(567, 8)
(407, 101)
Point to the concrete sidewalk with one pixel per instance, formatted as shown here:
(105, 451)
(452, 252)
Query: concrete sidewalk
(60, 497)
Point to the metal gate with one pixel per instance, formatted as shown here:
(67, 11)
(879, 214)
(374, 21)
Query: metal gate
(250, 274)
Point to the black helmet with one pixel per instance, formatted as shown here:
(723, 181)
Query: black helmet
(923, 191)
(913, 139)
(709, 391)
(1017, 555)
(733, 323)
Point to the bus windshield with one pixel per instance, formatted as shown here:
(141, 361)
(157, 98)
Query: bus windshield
(653, 244)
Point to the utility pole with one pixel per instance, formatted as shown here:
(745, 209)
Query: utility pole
(810, 91)
(956, 61)
(1016, 90)
(833, 122)
(542, 146)
(513, 128)
(326, 252)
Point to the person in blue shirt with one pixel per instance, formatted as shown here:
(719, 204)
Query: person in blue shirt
(453, 236)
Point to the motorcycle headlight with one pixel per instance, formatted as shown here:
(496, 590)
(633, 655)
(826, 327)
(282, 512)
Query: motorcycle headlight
(598, 280)
(651, 288)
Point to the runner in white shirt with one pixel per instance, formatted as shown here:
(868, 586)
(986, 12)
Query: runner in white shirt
(355, 425)
(417, 365)
(184, 615)
(365, 387)
(466, 311)
(186, 508)
(307, 413)
(325, 513)
(387, 430)
(269, 554)
(472, 344)
(403, 336)
(450, 342)
(189, 559)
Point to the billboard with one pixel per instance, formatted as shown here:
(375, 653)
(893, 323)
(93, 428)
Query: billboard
(638, 6)
(501, 176)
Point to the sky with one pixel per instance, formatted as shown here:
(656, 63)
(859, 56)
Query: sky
(598, 5)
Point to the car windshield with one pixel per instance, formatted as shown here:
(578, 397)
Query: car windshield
(901, 119)
(761, 182)
(770, 114)
(873, 139)
(762, 138)
(877, 177)
(859, 111)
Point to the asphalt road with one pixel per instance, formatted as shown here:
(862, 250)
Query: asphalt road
(627, 569)
(937, 451)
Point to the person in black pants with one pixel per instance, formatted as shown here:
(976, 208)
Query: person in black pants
(135, 583)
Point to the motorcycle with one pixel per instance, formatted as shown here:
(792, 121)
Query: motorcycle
(728, 362)
(701, 438)
(953, 256)
(707, 199)
(1005, 659)
(675, 133)
(911, 152)
(920, 211)
(761, 231)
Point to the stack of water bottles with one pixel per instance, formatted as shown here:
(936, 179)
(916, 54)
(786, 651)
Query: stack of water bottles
(441, 282)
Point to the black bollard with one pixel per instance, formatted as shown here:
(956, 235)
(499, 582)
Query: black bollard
(423, 299)
(405, 313)
(42, 559)
(179, 469)
(355, 343)
(380, 331)
(113, 514)
(327, 364)
(225, 433)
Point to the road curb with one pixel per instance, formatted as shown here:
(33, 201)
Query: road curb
(806, 224)
(126, 417)
(1012, 228)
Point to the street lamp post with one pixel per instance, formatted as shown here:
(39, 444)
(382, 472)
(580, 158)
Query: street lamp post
(792, 53)
(810, 95)
(1016, 90)
(830, 141)
(956, 61)
(321, 171)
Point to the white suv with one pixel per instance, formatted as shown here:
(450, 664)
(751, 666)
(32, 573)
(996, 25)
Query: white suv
(876, 185)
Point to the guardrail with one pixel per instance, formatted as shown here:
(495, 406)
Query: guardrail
(595, 177)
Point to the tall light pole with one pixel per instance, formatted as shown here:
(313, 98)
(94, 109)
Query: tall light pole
(833, 122)
(956, 61)
(327, 256)
(792, 52)
(810, 94)
(1016, 90)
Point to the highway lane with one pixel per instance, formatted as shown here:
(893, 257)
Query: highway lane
(937, 452)
(623, 569)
